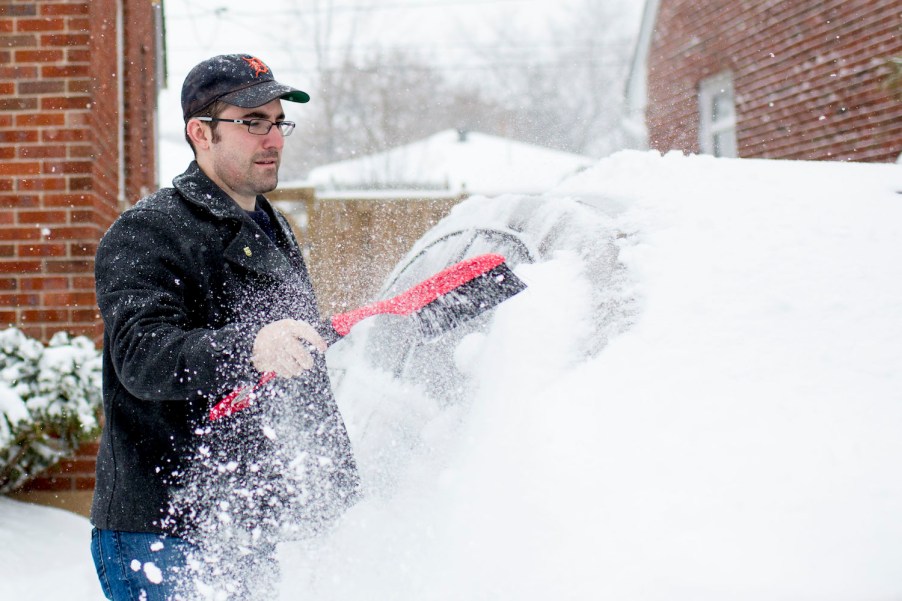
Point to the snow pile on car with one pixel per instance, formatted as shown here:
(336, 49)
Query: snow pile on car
(739, 438)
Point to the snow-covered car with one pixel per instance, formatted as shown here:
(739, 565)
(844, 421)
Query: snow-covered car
(525, 230)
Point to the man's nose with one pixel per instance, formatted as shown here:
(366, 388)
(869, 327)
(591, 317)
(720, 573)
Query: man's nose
(274, 138)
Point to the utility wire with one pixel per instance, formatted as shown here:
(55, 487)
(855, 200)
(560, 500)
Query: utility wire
(381, 7)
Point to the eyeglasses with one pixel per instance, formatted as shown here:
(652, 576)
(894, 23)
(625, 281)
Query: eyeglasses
(259, 127)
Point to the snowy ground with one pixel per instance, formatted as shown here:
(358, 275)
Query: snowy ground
(740, 440)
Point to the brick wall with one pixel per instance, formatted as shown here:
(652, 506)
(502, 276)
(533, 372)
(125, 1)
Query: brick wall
(68, 485)
(76, 146)
(60, 151)
(809, 76)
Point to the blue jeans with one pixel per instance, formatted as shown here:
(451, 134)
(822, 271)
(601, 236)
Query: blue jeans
(139, 565)
(143, 566)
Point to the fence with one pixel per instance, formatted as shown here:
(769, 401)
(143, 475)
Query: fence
(352, 243)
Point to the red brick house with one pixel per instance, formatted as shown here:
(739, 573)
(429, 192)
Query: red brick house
(77, 128)
(808, 79)
(78, 88)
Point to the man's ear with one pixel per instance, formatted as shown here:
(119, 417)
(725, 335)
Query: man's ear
(199, 134)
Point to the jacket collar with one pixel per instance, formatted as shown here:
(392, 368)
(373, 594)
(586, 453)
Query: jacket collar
(199, 189)
(249, 247)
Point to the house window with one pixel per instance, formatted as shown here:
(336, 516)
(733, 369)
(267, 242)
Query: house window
(717, 116)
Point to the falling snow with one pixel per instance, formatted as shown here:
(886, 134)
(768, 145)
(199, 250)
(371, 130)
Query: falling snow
(738, 440)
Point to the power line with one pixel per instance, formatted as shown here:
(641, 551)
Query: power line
(595, 54)
(425, 49)
(485, 65)
(491, 66)
(381, 7)
(244, 21)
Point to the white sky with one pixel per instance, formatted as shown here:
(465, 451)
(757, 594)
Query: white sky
(451, 33)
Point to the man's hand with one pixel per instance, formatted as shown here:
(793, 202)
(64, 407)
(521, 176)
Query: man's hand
(284, 347)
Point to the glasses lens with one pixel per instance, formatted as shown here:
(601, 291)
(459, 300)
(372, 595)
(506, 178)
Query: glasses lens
(286, 127)
(259, 126)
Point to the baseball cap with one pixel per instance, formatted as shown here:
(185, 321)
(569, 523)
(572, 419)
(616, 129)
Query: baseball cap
(238, 79)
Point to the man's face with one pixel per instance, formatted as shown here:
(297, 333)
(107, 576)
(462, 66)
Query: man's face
(245, 164)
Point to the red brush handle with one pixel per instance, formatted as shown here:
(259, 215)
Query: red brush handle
(239, 399)
(420, 295)
(405, 303)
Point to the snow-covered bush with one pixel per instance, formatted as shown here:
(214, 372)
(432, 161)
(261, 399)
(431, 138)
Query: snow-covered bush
(49, 402)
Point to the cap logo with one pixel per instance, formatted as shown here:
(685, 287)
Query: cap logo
(257, 65)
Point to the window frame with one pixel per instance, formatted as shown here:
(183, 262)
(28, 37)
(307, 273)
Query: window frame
(717, 132)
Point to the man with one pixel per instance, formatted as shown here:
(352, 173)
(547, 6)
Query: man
(202, 288)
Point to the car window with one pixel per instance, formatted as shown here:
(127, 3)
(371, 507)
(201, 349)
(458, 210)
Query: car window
(455, 247)
(431, 260)
(506, 244)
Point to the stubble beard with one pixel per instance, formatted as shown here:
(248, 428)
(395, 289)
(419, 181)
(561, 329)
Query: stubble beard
(265, 182)
(252, 180)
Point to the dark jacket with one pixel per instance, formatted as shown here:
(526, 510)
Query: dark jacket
(185, 279)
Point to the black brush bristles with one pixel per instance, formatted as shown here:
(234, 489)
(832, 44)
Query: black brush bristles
(467, 301)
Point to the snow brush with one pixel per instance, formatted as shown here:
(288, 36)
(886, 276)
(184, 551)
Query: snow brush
(444, 301)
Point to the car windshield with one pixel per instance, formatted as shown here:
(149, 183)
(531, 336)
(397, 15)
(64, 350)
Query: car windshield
(456, 247)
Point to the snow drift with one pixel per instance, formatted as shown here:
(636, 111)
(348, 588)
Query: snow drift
(739, 439)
